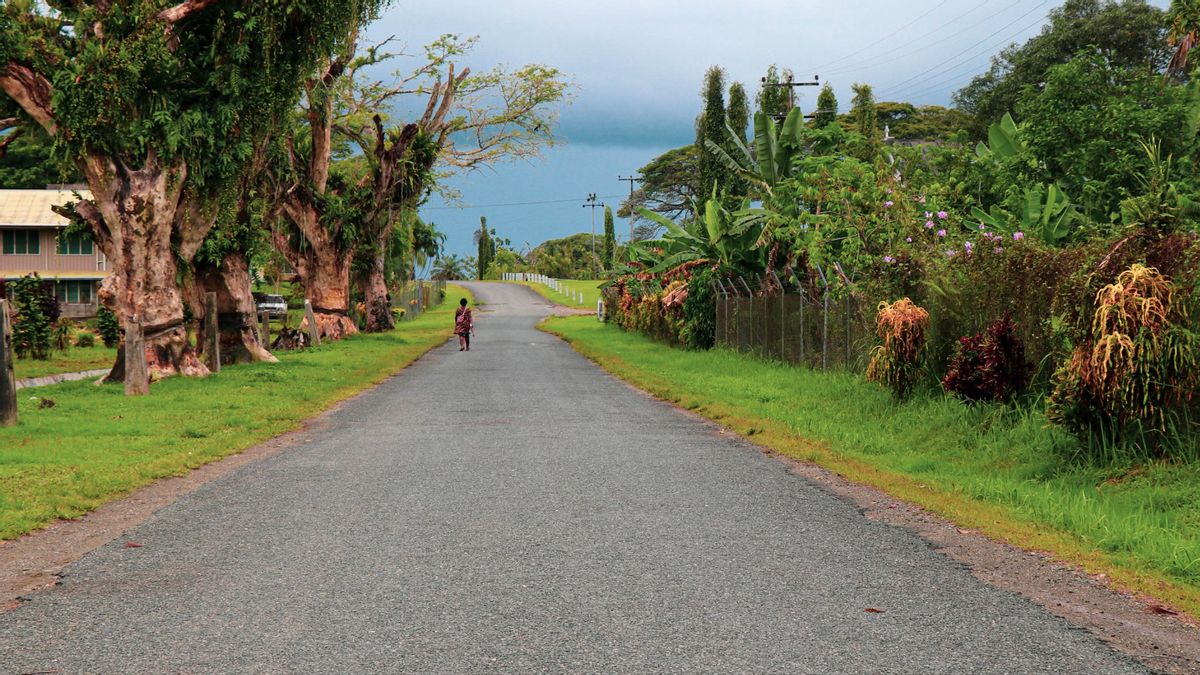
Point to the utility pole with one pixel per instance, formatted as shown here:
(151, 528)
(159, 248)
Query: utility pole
(791, 89)
(631, 180)
(591, 201)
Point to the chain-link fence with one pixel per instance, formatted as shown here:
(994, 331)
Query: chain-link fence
(820, 323)
(417, 296)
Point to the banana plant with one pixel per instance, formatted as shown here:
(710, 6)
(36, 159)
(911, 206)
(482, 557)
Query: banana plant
(716, 234)
(1004, 140)
(776, 149)
(1046, 211)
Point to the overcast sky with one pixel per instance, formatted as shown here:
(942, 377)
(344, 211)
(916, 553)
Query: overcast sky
(638, 68)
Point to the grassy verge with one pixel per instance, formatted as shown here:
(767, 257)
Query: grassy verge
(95, 444)
(590, 290)
(1000, 471)
(74, 360)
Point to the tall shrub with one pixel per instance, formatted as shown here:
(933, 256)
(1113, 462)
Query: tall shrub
(109, 327)
(1139, 369)
(36, 309)
(699, 311)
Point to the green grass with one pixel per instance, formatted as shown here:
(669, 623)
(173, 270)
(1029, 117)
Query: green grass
(74, 360)
(95, 444)
(1001, 471)
(589, 288)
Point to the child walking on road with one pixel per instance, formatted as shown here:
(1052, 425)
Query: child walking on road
(463, 325)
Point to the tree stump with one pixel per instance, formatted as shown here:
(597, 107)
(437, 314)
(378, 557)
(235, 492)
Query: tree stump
(8, 380)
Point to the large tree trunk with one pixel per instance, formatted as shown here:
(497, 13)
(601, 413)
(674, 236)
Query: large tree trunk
(324, 271)
(135, 218)
(376, 299)
(236, 320)
(327, 287)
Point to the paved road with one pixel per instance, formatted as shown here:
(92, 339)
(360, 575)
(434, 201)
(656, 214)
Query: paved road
(514, 509)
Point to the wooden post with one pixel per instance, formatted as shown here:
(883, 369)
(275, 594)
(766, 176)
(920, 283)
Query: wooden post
(212, 334)
(314, 333)
(137, 376)
(8, 381)
(264, 329)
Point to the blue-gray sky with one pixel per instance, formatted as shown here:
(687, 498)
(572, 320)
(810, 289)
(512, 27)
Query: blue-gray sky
(638, 68)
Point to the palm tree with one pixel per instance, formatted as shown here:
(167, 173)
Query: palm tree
(1184, 16)
(448, 267)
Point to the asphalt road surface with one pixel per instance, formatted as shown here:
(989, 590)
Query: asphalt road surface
(512, 508)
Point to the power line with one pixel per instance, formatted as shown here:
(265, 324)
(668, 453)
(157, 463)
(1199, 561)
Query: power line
(495, 206)
(831, 64)
(1006, 26)
(920, 88)
(877, 60)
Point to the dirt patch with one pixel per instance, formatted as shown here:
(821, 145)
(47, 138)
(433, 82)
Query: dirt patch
(34, 561)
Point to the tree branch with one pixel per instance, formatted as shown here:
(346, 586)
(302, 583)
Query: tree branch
(32, 92)
(8, 141)
(183, 10)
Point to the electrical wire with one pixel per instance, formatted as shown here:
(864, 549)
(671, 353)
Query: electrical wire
(874, 61)
(495, 206)
(922, 88)
(851, 55)
(899, 85)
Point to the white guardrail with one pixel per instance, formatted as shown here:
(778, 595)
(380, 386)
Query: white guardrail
(555, 285)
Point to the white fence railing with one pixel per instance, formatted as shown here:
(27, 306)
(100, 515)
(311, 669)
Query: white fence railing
(549, 282)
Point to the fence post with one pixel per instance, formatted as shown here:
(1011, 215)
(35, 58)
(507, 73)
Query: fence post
(314, 334)
(264, 329)
(8, 380)
(212, 334)
(824, 319)
(137, 375)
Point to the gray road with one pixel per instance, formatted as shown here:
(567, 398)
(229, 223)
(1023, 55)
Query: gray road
(514, 509)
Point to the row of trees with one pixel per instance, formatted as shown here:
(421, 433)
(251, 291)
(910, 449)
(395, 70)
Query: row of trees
(211, 131)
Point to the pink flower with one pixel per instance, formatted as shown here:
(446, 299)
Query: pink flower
(950, 253)
(942, 215)
(908, 239)
(969, 247)
(941, 233)
(889, 204)
(888, 259)
(928, 215)
(982, 226)
(929, 224)
(999, 249)
(1018, 236)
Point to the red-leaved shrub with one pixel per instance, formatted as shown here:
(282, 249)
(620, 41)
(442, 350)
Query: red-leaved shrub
(989, 366)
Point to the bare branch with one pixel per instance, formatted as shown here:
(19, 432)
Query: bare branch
(183, 10)
(7, 140)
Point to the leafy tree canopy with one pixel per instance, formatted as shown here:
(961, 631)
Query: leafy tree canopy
(1129, 33)
(1087, 124)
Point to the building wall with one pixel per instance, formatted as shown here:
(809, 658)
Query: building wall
(49, 263)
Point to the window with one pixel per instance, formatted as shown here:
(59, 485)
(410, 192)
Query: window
(79, 244)
(74, 292)
(21, 242)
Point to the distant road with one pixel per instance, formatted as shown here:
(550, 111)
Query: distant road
(515, 509)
